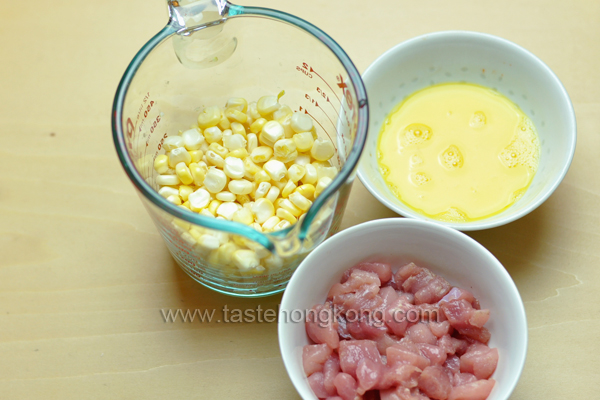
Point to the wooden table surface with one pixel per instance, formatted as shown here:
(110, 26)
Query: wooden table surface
(84, 274)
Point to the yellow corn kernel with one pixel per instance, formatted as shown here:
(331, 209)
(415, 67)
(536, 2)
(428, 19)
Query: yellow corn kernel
(282, 225)
(322, 150)
(300, 201)
(212, 135)
(220, 150)
(251, 168)
(261, 154)
(257, 125)
(243, 216)
(289, 206)
(236, 115)
(287, 128)
(296, 172)
(310, 177)
(252, 111)
(257, 226)
(178, 155)
(304, 141)
(224, 123)
(185, 191)
(306, 190)
(238, 103)
(182, 224)
(198, 172)
(186, 205)
(242, 198)
(161, 163)
(271, 132)
(209, 117)
(321, 185)
(269, 224)
(184, 174)
(286, 215)
(287, 159)
(272, 194)
(277, 202)
(261, 176)
(213, 205)
(283, 112)
(284, 147)
(238, 153)
(266, 105)
(288, 189)
(238, 129)
(174, 199)
(215, 159)
(196, 155)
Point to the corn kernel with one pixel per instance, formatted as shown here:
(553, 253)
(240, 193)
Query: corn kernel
(276, 170)
(167, 191)
(240, 186)
(257, 226)
(209, 117)
(243, 216)
(206, 212)
(238, 103)
(215, 159)
(296, 172)
(273, 262)
(220, 150)
(266, 105)
(288, 188)
(215, 180)
(286, 122)
(258, 125)
(261, 154)
(321, 185)
(270, 223)
(178, 155)
(284, 147)
(172, 142)
(304, 141)
(224, 123)
(208, 242)
(225, 252)
(227, 209)
(272, 194)
(286, 215)
(234, 168)
(289, 206)
(243, 199)
(234, 142)
(251, 168)
(238, 129)
(282, 112)
(329, 172)
(301, 122)
(213, 134)
(306, 190)
(167, 180)
(322, 150)
(185, 191)
(310, 177)
(271, 132)
(186, 205)
(226, 132)
(213, 206)
(282, 225)
(225, 196)
(192, 139)
(300, 201)
(196, 155)
(263, 209)
(302, 159)
(252, 142)
(184, 174)
(238, 153)
(161, 163)
(236, 115)
(245, 260)
(198, 172)
(199, 199)
(252, 111)
(262, 190)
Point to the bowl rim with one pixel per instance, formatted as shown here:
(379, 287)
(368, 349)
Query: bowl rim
(524, 53)
(396, 223)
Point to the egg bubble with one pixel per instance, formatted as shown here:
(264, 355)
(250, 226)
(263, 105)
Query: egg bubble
(478, 120)
(523, 149)
(452, 214)
(415, 160)
(451, 158)
(416, 134)
(419, 178)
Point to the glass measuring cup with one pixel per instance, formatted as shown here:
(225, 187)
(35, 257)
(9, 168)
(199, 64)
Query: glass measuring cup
(211, 51)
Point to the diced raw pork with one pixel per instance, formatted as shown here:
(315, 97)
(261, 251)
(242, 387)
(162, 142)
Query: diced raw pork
(400, 375)
(453, 345)
(452, 363)
(314, 356)
(368, 327)
(330, 370)
(396, 317)
(366, 298)
(383, 270)
(462, 378)
(402, 393)
(368, 375)
(420, 333)
(346, 386)
(440, 329)
(479, 360)
(433, 291)
(343, 328)
(316, 383)
(465, 319)
(386, 341)
(352, 351)
(478, 390)
(321, 326)
(435, 383)
(358, 278)
(402, 355)
(435, 354)
(457, 293)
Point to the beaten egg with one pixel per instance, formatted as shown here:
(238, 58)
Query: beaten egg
(458, 152)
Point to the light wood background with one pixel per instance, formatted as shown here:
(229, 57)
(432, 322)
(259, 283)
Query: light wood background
(84, 274)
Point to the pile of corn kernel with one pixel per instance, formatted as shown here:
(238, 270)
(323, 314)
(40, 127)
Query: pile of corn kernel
(258, 163)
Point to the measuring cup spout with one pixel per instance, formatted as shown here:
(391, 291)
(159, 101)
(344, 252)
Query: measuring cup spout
(197, 14)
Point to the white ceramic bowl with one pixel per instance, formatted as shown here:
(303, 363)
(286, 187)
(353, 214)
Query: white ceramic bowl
(486, 60)
(447, 252)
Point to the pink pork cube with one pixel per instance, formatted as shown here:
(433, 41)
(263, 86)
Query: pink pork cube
(346, 386)
(402, 393)
(314, 356)
(321, 326)
(316, 382)
(479, 360)
(330, 370)
(352, 351)
(420, 333)
(435, 382)
(401, 354)
(368, 375)
(383, 270)
(358, 278)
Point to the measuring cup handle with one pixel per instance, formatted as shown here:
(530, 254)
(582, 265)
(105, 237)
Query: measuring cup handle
(197, 13)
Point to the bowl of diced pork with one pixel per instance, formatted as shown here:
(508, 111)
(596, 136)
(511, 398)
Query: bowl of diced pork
(466, 340)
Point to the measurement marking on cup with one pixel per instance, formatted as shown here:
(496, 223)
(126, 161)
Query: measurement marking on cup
(326, 98)
(316, 103)
(324, 81)
(317, 121)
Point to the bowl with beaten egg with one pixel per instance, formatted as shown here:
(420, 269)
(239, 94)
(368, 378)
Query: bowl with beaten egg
(467, 129)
